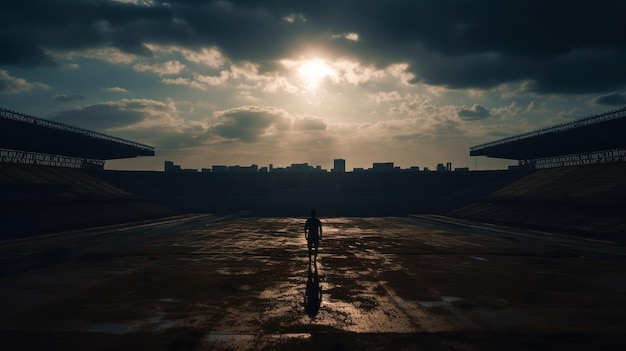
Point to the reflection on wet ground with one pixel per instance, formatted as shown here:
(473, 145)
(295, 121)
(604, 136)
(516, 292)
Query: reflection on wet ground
(313, 291)
(378, 283)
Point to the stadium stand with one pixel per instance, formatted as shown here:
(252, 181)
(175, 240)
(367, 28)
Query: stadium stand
(578, 189)
(572, 190)
(49, 183)
(36, 140)
(583, 141)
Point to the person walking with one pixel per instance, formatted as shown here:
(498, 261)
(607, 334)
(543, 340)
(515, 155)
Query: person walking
(313, 234)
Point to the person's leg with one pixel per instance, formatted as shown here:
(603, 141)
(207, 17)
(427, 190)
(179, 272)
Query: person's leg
(316, 245)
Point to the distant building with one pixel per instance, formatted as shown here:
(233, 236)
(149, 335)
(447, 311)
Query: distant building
(339, 166)
(206, 170)
(382, 167)
(171, 167)
(243, 169)
(461, 169)
(414, 169)
(449, 166)
(219, 169)
(299, 167)
(441, 167)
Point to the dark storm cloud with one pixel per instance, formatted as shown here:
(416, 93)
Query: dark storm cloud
(249, 123)
(309, 123)
(573, 46)
(611, 99)
(473, 113)
(99, 117)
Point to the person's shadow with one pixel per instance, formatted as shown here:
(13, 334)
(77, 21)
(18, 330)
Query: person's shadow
(313, 293)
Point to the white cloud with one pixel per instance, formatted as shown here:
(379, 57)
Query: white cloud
(355, 73)
(309, 123)
(415, 105)
(293, 18)
(246, 70)
(106, 54)
(507, 111)
(161, 69)
(136, 2)
(116, 90)
(348, 36)
(201, 82)
(400, 70)
(13, 85)
(213, 80)
(385, 96)
(211, 57)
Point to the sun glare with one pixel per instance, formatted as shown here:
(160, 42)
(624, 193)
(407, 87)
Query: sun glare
(313, 72)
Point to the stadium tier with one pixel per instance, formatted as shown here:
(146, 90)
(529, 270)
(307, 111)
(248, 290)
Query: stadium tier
(23, 133)
(594, 134)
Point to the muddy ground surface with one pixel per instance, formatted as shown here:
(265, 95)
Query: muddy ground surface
(378, 284)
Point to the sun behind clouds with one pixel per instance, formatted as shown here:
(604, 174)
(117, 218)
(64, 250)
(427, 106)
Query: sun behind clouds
(311, 73)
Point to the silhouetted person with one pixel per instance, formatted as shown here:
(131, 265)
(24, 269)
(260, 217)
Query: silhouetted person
(313, 293)
(313, 234)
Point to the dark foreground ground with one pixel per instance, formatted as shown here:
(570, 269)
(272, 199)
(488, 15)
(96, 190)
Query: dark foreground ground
(385, 284)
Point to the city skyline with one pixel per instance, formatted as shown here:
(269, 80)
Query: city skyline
(171, 166)
(240, 82)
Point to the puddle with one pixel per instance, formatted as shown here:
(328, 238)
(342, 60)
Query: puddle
(479, 258)
(290, 336)
(226, 271)
(445, 300)
(159, 323)
(429, 304)
(450, 299)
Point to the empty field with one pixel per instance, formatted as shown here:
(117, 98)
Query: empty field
(386, 283)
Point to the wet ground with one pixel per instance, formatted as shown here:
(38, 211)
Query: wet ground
(378, 284)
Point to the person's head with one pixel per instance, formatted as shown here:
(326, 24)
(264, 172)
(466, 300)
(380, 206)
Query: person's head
(313, 213)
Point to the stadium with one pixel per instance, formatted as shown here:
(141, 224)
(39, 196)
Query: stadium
(563, 206)
(572, 173)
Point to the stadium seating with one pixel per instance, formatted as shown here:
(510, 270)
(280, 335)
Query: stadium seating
(38, 199)
(585, 200)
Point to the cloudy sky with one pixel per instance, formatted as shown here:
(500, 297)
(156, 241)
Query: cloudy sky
(241, 82)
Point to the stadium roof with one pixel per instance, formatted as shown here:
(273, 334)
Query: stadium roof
(600, 132)
(27, 133)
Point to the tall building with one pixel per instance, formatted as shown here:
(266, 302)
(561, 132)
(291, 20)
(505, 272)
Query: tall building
(169, 166)
(339, 165)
